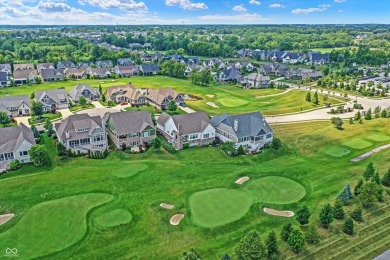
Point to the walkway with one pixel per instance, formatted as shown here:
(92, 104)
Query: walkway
(187, 109)
(279, 94)
(368, 154)
(23, 119)
(65, 113)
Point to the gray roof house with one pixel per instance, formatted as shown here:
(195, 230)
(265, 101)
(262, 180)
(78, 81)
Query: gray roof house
(42, 66)
(99, 72)
(249, 130)
(256, 80)
(126, 93)
(129, 128)
(5, 79)
(51, 75)
(82, 133)
(25, 76)
(52, 100)
(66, 64)
(85, 90)
(162, 96)
(229, 75)
(28, 66)
(6, 68)
(193, 129)
(15, 105)
(15, 144)
(317, 58)
(150, 69)
(81, 64)
(292, 57)
(104, 64)
(124, 62)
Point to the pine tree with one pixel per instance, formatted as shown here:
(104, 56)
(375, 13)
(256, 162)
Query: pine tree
(326, 215)
(377, 178)
(296, 240)
(225, 257)
(369, 194)
(100, 89)
(240, 150)
(315, 99)
(272, 246)
(251, 247)
(368, 115)
(303, 215)
(192, 254)
(345, 195)
(357, 214)
(338, 211)
(312, 235)
(358, 187)
(308, 97)
(286, 231)
(348, 227)
(386, 179)
(369, 172)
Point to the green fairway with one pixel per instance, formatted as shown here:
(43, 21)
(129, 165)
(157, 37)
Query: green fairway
(128, 172)
(114, 218)
(52, 226)
(232, 102)
(336, 151)
(379, 137)
(217, 207)
(357, 143)
(275, 190)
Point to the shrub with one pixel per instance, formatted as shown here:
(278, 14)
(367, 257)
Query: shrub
(168, 147)
(14, 165)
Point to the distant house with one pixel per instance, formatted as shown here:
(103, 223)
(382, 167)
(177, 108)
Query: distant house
(126, 71)
(175, 57)
(316, 58)
(5, 79)
(193, 129)
(150, 69)
(6, 68)
(152, 57)
(51, 75)
(15, 144)
(160, 98)
(52, 100)
(104, 64)
(85, 90)
(124, 62)
(99, 73)
(44, 66)
(25, 76)
(229, 75)
(129, 128)
(190, 68)
(257, 80)
(214, 62)
(66, 65)
(75, 73)
(274, 55)
(302, 74)
(127, 93)
(82, 64)
(292, 57)
(245, 53)
(15, 105)
(248, 130)
(28, 66)
(248, 66)
(274, 68)
(82, 133)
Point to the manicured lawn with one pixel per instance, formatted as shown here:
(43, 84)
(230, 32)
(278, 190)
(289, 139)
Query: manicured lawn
(125, 173)
(80, 107)
(34, 119)
(336, 151)
(232, 102)
(378, 137)
(357, 143)
(114, 218)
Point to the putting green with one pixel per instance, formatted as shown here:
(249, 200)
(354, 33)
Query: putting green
(357, 143)
(232, 102)
(52, 226)
(217, 207)
(336, 151)
(126, 172)
(275, 190)
(379, 137)
(114, 218)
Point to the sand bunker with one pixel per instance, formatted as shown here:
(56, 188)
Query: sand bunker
(175, 219)
(242, 180)
(167, 206)
(212, 104)
(210, 96)
(6, 217)
(283, 213)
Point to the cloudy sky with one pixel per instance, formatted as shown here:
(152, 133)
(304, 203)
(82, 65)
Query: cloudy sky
(193, 11)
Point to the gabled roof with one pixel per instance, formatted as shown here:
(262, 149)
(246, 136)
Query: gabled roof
(14, 101)
(66, 64)
(127, 122)
(129, 91)
(150, 68)
(75, 92)
(127, 69)
(55, 94)
(41, 66)
(12, 137)
(28, 66)
(24, 74)
(187, 123)
(74, 122)
(51, 73)
(100, 63)
(158, 95)
(4, 76)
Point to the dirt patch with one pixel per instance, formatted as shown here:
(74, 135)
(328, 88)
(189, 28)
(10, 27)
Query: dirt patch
(210, 96)
(212, 104)
(242, 180)
(6, 217)
(279, 213)
(175, 219)
(167, 206)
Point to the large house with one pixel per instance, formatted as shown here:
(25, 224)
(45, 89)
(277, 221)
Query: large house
(5, 79)
(248, 130)
(124, 62)
(302, 74)
(317, 58)
(15, 105)
(44, 66)
(85, 90)
(82, 133)
(104, 64)
(15, 144)
(292, 57)
(25, 76)
(229, 75)
(99, 73)
(126, 71)
(127, 93)
(28, 66)
(149, 69)
(6, 68)
(161, 97)
(129, 128)
(273, 68)
(256, 80)
(75, 73)
(66, 65)
(51, 75)
(193, 129)
(52, 100)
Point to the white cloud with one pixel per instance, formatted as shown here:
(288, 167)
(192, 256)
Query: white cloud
(186, 4)
(320, 8)
(340, 11)
(240, 9)
(276, 6)
(232, 19)
(127, 5)
(254, 2)
(53, 7)
(340, 1)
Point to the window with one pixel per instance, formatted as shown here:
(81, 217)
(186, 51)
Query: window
(206, 136)
(82, 130)
(98, 138)
(7, 157)
(85, 141)
(146, 134)
(269, 135)
(193, 136)
(74, 143)
(23, 153)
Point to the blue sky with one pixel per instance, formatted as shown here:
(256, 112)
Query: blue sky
(193, 11)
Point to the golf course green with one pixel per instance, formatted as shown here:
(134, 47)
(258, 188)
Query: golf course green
(336, 151)
(357, 143)
(232, 102)
(378, 137)
(114, 218)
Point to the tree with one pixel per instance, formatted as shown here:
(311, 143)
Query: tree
(315, 98)
(226, 257)
(286, 230)
(100, 89)
(303, 215)
(369, 194)
(368, 115)
(172, 106)
(345, 195)
(358, 187)
(192, 254)
(37, 109)
(153, 119)
(326, 215)
(296, 240)
(386, 179)
(35, 132)
(276, 143)
(250, 247)
(357, 116)
(39, 155)
(103, 98)
(272, 246)
(312, 235)
(308, 97)
(156, 142)
(326, 98)
(357, 214)
(338, 211)
(337, 122)
(348, 227)
(376, 178)
(369, 172)
(240, 150)
(82, 101)
(4, 118)
(61, 149)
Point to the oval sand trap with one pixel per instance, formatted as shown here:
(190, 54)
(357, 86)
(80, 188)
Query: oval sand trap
(114, 218)
(175, 219)
(279, 213)
(167, 206)
(5, 218)
(212, 104)
(242, 180)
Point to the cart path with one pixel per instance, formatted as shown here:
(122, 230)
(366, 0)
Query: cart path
(368, 154)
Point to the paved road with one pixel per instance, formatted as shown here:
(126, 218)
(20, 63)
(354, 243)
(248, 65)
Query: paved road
(384, 256)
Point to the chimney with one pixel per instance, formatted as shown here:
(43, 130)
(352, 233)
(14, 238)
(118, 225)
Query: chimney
(235, 125)
(67, 135)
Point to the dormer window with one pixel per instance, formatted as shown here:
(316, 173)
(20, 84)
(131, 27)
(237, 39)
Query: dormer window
(80, 130)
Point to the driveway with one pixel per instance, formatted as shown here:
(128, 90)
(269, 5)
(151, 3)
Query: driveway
(23, 119)
(187, 109)
(100, 111)
(97, 104)
(65, 113)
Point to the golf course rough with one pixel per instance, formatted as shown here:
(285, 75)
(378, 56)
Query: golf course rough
(56, 224)
(217, 207)
(126, 172)
(233, 102)
(114, 218)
